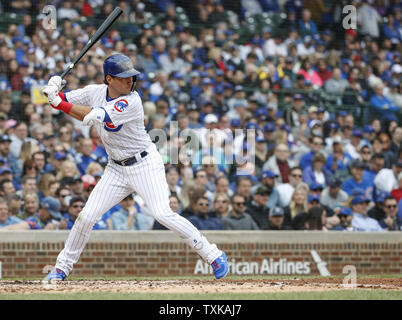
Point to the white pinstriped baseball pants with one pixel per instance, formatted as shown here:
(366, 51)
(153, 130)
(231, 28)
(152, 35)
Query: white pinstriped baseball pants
(147, 178)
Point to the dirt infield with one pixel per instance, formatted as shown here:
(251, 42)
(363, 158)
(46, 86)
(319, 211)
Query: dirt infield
(198, 286)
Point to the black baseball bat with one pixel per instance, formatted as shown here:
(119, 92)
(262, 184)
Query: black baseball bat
(106, 25)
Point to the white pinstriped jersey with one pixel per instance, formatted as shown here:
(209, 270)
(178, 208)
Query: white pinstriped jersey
(123, 138)
(126, 134)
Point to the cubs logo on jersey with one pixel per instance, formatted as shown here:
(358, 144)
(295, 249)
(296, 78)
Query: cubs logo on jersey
(121, 105)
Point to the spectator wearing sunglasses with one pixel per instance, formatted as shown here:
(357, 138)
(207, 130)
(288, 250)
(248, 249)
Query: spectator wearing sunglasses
(74, 209)
(238, 219)
(63, 194)
(316, 146)
(286, 190)
(76, 205)
(345, 216)
(390, 221)
(201, 218)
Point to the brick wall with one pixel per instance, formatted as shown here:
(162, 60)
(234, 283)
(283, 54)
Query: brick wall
(162, 253)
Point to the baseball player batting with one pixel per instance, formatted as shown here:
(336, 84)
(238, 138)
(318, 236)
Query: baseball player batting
(116, 110)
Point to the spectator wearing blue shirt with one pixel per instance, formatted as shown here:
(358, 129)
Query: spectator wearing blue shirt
(195, 85)
(306, 25)
(37, 78)
(296, 6)
(316, 144)
(391, 30)
(25, 28)
(10, 160)
(100, 155)
(146, 61)
(368, 134)
(84, 158)
(47, 217)
(269, 136)
(5, 173)
(382, 105)
(201, 220)
(18, 48)
(345, 216)
(211, 169)
(4, 84)
(5, 218)
(56, 162)
(201, 53)
(160, 48)
(269, 5)
(193, 113)
(106, 220)
(316, 173)
(399, 212)
(77, 203)
(377, 162)
(129, 217)
(164, 4)
(361, 221)
(338, 160)
(357, 181)
(75, 207)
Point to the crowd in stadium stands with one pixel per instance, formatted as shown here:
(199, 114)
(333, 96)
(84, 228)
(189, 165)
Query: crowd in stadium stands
(266, 152)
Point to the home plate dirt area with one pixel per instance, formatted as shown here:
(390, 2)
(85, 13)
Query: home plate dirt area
(196, 286)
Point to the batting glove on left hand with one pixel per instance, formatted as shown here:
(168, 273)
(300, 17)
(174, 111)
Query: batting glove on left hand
(96, 114)
(52, 94)
(57, 81)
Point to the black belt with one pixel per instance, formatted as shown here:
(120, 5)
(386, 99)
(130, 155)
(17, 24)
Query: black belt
(130, 161)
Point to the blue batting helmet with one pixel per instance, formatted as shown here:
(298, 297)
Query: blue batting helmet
(120, 66)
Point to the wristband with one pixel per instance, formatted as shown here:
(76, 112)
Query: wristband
(64, 106)
(62, 96)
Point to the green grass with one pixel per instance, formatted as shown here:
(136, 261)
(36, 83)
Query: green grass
(327, 295)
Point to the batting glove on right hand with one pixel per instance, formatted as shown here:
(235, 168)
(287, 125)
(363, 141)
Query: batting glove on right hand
(57, 81)
(52, 94)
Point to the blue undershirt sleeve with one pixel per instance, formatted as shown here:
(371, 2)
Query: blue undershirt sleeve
(107, 117)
